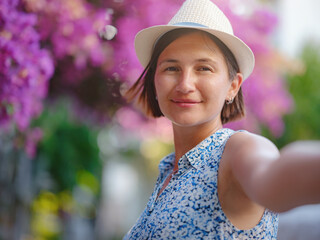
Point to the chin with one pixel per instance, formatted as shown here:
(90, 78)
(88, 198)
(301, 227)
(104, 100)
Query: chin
(184, 123)
(187, 121)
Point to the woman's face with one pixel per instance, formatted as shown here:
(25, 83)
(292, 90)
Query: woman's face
(192, 81)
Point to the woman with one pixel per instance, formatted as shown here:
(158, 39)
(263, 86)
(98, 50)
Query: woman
(218, 184)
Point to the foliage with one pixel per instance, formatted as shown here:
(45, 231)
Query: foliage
(303, 122)
(68, 148)
(67, 171)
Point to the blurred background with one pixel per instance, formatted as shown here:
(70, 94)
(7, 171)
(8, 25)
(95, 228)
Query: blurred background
(77, 161)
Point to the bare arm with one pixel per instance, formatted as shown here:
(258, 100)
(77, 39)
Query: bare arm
(278, 181)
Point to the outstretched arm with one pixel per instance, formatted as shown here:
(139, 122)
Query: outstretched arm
(277, 180)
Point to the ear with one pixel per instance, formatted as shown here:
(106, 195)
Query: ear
(235, 86)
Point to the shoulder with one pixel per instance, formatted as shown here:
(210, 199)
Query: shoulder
(246, 154)
(246, 144)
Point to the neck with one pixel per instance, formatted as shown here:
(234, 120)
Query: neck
(186, 138)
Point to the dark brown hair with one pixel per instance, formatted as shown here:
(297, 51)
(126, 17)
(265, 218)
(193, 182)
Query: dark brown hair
(144, 87)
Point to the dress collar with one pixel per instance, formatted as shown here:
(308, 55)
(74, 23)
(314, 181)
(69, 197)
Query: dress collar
(204, 151)
(198, 155)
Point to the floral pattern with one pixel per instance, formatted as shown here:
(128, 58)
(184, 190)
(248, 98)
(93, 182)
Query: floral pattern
(189, 207)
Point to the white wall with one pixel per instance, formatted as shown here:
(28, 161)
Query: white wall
(299, 21)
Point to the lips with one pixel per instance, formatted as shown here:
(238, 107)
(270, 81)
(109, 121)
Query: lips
(185, 102)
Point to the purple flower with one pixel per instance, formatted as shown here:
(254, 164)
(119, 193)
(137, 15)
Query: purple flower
(25, 68)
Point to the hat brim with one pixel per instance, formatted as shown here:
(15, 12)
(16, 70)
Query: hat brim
(146, 39)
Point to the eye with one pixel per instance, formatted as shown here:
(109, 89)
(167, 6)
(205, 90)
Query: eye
(171, 69)
(204, 69)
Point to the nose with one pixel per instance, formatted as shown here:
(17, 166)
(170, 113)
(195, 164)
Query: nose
(186, 82)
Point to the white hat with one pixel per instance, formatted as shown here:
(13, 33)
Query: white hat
(203, 15)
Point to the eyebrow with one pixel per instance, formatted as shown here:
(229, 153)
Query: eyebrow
(169, 60)
(206, 60)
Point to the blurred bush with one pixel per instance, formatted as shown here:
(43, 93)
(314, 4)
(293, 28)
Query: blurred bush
(67, 175)
(68, 149)
(303, 122)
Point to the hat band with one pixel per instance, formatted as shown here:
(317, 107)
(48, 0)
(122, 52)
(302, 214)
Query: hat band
(189, 24)
(181, 24)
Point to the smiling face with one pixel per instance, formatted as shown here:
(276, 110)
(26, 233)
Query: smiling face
(192, 81)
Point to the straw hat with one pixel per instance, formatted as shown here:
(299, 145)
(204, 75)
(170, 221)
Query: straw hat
(203, 15)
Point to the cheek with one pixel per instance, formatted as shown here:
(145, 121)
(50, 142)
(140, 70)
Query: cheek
(214, 91)
(161, 85)
(208, 87)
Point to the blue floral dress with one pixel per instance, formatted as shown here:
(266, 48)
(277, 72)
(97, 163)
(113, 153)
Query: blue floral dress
(189, 208)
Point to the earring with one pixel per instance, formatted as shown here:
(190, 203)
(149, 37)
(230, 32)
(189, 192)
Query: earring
(230, 100)
(156, 98)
